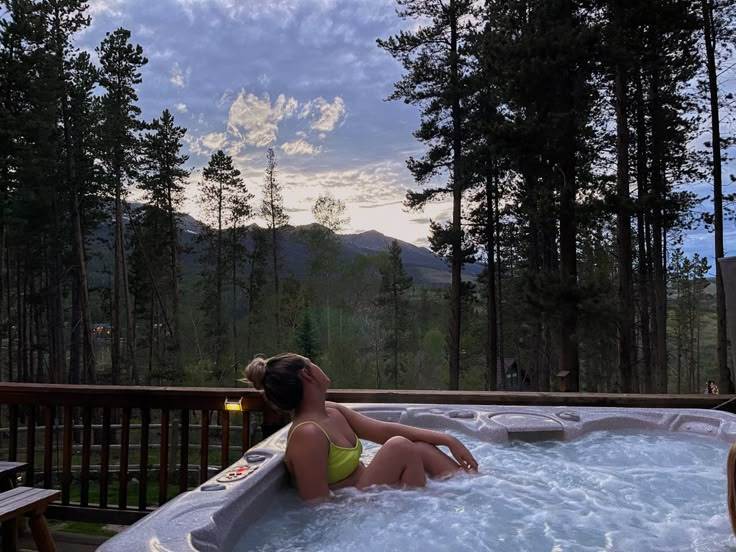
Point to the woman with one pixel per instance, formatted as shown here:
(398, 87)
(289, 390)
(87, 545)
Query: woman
(323, 448)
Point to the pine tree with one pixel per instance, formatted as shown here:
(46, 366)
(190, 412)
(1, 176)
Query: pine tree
(306, 338)
(162, 181)
(120, 63)
(436, 64)
(718, 34)
(540, 56)
(225, 203)
(395, 283)
(85, 194)
(272, 211)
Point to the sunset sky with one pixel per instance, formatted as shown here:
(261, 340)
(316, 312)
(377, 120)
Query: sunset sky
(302, 76)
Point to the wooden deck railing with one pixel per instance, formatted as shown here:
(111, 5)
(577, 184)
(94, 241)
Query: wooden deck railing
(118, 452)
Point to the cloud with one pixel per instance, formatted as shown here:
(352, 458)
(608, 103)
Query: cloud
(107, 7)
(325, 115)
(214, 140)
(255, 121)
(178, 76)
(204, 145)
(299, 147)
(181, 107)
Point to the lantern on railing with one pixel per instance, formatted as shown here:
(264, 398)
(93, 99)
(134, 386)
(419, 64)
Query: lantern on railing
(231, 405)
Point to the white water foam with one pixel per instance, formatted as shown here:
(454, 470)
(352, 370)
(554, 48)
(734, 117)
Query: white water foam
(604, 492)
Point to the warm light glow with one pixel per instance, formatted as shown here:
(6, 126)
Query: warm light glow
(234, 406)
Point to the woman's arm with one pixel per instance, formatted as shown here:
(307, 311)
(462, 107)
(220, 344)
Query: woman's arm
(380, 432)
(307, 455)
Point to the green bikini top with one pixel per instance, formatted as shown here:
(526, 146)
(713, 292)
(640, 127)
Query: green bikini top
(341, 461)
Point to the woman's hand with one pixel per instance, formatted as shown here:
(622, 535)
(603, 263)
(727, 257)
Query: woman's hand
(463, 456)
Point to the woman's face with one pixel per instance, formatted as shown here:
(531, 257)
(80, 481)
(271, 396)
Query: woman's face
(319, 376)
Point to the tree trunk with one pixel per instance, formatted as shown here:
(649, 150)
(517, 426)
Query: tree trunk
(499, 272)
(623, 232)
(20, 324)
(115, 343)
(457, 195)
(218, 287)
(151, 325)
(88, 339)
(75, 348)
(491, 311)
(251, 291)
(234, 305)
(129, 317)
(568, 278)
(644, 267)
(275, 249)
(659, 259)
(725, 384)
(174, 267)
(8, 305)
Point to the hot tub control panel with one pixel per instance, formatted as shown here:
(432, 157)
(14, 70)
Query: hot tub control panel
(236, 473)
(240, 470)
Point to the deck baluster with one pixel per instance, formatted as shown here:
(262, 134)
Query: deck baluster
(163, 463)
(66, 456)
(124, 445)
(143, 471)
(184, 463)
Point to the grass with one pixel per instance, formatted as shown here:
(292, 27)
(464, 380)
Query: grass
(83, 528)
(113, 493)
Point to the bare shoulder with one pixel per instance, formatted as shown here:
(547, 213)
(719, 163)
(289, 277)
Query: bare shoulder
(337, 410)
(306, 436)
(337, 407)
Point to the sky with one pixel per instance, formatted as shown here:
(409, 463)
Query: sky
(304, 77)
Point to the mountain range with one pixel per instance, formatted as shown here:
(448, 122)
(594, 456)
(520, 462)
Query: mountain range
(426, 268)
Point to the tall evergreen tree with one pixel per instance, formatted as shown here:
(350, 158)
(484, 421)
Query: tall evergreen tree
(120, 64)
(395, 283)
(436, 63)
(272, 211)
(162, 181)
(224, 202)
(85, 196)
(718, 34)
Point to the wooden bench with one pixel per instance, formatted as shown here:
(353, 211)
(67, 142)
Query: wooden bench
(26, 500)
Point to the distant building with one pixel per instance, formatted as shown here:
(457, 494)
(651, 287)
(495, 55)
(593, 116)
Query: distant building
(103, 330)
(517, 378)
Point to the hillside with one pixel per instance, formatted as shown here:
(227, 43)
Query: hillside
(425, 267)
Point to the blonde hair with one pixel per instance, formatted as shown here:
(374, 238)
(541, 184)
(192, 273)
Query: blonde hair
(731, 483)
(278, 378)
(255, 371)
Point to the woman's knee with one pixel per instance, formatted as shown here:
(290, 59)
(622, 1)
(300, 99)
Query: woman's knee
(402, 446)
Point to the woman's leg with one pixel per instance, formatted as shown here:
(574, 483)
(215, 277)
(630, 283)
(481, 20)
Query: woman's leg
(399, 461)
(436, 463)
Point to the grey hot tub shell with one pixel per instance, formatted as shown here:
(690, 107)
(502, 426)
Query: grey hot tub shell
(212, 517)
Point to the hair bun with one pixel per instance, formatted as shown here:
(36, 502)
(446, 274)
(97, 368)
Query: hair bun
(255, 371)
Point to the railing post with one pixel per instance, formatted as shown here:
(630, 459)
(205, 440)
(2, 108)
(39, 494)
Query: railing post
(143, 469)
(66, 455)
(204, 445)
(104, 456)
(31, 445)
(48, 446)
(184, 463)
(163, 462)
(174, 446)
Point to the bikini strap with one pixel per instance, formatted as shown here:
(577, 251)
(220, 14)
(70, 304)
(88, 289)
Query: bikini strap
(307, 422)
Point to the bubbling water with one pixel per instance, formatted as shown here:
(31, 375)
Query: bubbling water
(633, 492)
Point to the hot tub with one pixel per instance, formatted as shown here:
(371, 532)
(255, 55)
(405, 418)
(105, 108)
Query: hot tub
(222, 514)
